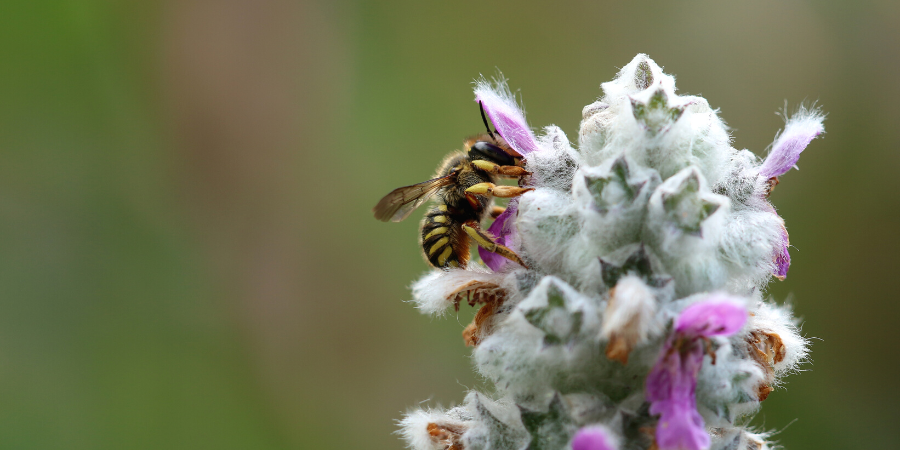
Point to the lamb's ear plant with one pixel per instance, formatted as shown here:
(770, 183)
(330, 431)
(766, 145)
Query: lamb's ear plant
(640, 322)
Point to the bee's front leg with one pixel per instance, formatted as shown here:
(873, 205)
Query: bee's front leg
(486, 241)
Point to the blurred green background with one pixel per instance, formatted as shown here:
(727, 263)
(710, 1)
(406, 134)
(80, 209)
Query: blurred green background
(187, 253)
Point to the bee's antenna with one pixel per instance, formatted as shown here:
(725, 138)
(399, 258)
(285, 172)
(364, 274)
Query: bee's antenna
(483, 118)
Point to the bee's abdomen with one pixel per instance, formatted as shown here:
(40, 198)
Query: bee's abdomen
(443, 241)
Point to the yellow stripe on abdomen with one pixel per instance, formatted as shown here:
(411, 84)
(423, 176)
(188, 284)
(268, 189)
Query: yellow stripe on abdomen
(446, 254)
(435, 232)
(438, 245)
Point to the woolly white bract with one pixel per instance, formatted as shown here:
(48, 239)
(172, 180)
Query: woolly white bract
(651, 222)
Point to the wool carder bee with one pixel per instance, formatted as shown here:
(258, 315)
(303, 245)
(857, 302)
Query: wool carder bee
(465, 183)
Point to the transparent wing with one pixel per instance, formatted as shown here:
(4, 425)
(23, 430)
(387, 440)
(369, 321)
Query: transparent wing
(398, 205)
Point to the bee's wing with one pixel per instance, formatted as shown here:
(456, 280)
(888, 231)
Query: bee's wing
(398, 205)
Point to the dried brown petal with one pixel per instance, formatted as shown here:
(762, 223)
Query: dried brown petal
(626, 319)
(449, 436)
(618, 348)
(770, 185)
(754, 444)
(767, 349)
(470, 335)
(481, 325)
(650, 432)
(475, 292)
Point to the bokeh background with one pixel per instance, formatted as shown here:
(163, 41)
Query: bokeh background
(187, 254)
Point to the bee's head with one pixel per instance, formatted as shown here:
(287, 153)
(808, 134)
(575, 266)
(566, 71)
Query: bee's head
(490, 151)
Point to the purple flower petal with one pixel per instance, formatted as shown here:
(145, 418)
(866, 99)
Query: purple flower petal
(507, 117)
(680, 426)
(783, 258)
(799, 131)
(671, 387)
(510, 123)
(672, 382)
(592, 438)
(718, 315)
(674, 376)
(504, 230)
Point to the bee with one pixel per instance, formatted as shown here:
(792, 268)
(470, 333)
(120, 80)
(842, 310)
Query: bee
(464, 184)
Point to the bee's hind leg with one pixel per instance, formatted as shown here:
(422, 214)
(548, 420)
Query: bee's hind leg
(486, 241)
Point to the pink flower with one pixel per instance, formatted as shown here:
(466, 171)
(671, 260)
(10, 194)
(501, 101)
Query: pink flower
(783, 258)
(799, 131)
(507, 117)
(672, 381)
(509, 121)
(592, 438)
(717, 315)
(503, 229)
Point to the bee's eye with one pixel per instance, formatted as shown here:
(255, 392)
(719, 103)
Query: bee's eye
(490, 152)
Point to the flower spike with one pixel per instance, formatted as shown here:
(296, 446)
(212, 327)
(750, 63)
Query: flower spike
(640, 319)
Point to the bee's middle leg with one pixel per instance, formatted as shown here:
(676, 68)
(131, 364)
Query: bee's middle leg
(487, 242)
(506, 171)
(497, 191)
